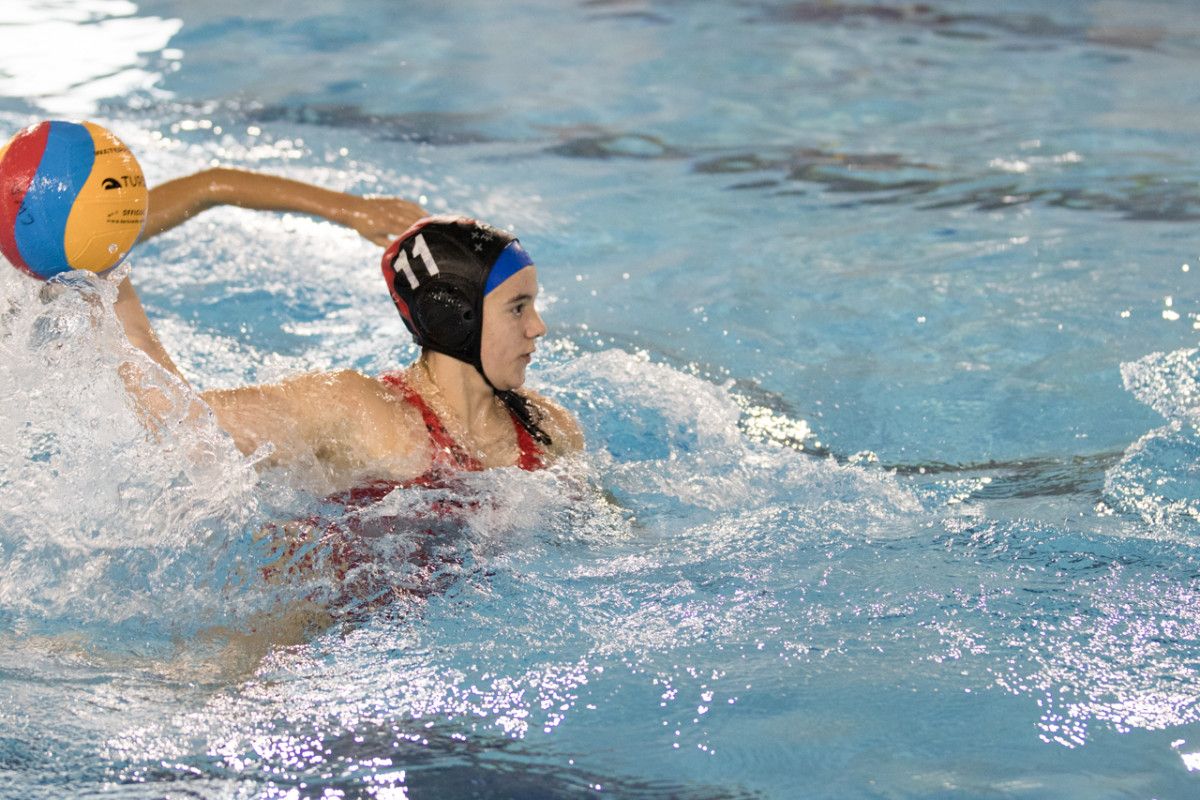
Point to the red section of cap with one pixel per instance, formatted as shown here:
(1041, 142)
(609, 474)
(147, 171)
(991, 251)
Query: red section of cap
(20, 164)
(402, 307)
(387, 266)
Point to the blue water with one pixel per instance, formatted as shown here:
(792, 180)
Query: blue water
(880, 319)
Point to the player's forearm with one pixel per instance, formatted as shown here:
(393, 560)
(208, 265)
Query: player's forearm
(157, 400)
(178, 200)
(137, 328)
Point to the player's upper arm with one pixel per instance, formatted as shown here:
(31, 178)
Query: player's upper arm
(341, 419)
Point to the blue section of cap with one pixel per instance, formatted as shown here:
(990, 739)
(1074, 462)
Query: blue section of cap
(512, 260)
(66, 163)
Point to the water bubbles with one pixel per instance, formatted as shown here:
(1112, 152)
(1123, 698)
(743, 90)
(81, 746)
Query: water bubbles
(130, 544)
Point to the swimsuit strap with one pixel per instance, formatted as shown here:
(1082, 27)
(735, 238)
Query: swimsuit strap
(444, 444)
(529, 459)
(531, 455)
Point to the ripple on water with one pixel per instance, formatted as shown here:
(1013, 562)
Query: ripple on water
(1158, 479)
(735, 589)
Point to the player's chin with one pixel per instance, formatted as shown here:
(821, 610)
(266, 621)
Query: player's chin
(516, 377)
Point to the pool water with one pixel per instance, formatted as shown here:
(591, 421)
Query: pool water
(880, 320)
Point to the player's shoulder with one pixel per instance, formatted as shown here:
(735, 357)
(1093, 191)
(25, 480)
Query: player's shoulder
(348, 393)
(375, 409)
(334, 388)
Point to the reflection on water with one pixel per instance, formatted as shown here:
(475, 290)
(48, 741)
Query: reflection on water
(886, 178)
(67, 57)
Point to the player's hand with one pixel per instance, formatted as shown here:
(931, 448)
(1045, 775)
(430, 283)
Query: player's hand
(382, 219)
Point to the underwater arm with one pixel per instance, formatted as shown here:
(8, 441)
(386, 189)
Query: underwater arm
(378, 219)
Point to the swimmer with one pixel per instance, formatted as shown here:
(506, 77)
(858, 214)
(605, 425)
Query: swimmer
(466, 291)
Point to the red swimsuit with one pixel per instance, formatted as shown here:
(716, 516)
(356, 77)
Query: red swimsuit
(530, 458)
(448, 455)
(298, 555)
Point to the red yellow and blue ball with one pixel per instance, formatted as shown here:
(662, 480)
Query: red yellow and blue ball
(72, 196)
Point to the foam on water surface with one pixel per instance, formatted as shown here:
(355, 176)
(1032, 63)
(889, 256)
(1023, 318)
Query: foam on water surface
(1158, 477)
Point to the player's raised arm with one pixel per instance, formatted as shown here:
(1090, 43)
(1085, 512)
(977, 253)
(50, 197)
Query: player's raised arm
(378, 219)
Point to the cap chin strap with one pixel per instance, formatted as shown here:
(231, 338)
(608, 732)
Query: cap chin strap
(518, 406)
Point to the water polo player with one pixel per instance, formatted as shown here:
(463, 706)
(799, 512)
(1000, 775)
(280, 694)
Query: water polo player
(466, 291)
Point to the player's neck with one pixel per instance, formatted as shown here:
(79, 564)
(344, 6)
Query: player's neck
(461, 390)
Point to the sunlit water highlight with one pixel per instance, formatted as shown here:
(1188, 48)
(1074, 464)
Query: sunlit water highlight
(879, 321)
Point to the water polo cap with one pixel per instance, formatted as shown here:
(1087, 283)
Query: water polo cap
(438, 273)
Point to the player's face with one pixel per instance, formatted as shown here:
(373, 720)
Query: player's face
(511, 326)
